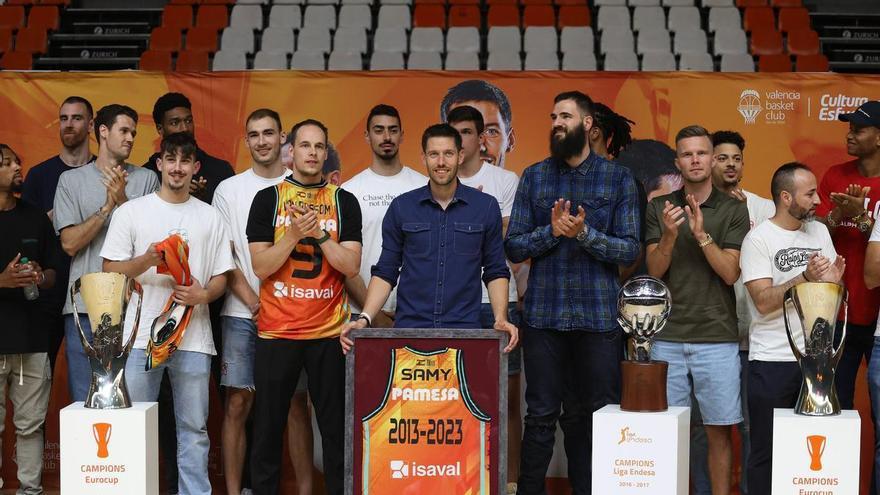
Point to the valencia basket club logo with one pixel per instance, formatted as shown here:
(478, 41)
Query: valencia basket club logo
(101, 432)
(749, 105)
(816, 447)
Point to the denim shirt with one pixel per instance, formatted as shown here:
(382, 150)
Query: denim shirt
(439, 255)
(573, 284)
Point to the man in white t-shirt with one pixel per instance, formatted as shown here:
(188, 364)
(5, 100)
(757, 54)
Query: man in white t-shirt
(130, 248)
(788, 249)
(375, 188)
(872, 281)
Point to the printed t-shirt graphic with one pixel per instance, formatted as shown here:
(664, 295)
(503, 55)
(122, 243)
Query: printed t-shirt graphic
(427, 435)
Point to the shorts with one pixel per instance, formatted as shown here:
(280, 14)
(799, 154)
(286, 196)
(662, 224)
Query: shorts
(714, 371)
(237, 368)
(487, 320)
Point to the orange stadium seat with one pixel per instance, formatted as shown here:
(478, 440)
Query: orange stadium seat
(166, 39)
(774, 63)
(177, 16)
(581, 3)
(216, 16)
(16, 61)
(464, 16)
(155, 60)
(766, 42)
(64, 3)
(218, 2)
(11, 16)
(430, 2)
(184, 2)
(201, 39)
(188, 61)
(758, 18)
(5, 40)
(539, 15)
(750, 3)
(537, 2)
(503, 15)
(812, 63)
(21, 2)
(785, 3)
(464, 2)
(44, 16)
(501, 2)
(574, 15)
(803, 42)
(793, 18)
(31, 40)
(429, 15)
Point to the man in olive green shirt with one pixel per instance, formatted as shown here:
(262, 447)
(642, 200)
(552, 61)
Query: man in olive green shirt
(693, 239)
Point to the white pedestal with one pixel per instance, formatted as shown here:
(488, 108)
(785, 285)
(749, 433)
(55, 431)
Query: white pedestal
(110, 451)
(641, 453)
(816, 454)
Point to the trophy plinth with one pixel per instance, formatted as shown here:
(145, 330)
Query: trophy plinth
(643, 307)
(106, 297)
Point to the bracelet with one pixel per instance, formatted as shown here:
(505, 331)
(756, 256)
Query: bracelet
(42, 278)
(804, 274)
(863, 221)
(324, 238)
(708, 241)
(102, 215)
(364, 316)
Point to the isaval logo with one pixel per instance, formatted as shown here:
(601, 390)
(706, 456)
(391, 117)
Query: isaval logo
(399, 470)
(749, 105)
(403, 469)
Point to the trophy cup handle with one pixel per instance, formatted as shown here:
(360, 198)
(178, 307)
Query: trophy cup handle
(89, 350)
(838, 353)
(136, 288)
(785, 299)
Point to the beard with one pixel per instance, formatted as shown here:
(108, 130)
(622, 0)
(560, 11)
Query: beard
(802, 214)
(386, 154)
(73, 140)
(570, 145)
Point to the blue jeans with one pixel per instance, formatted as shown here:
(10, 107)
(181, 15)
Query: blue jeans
(569, 375)
(874, 392)
(79, 371)
(189, 373)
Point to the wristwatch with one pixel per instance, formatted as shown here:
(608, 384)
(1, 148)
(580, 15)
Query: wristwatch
(708, 241)
(582, 235)
(863, 221)
(366, 317)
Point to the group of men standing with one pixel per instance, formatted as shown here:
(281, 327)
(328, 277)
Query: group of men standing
(302, 261)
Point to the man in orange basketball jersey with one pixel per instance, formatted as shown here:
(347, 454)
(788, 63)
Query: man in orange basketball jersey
(304, 237)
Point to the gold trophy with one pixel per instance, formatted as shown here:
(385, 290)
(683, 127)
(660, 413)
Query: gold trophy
(817, 305)
(106, 296)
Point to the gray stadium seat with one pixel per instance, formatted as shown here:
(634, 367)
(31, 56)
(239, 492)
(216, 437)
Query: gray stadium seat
(644, 3)
(540, 39)
(462, 61)
(285, 16)
(504, 38)
(690, 41)
(678, 3)
(576, 38)
(345, 61)
(737, 62)
(239, 39)
(463, 39)
(307, 60)
(599, 3)
(270, 61)
(613, 17)
(355, 16)
(696, 62)
(278, 39)
(653, 40)
(249, 16)
(425, 61)
(718, 3)
(504, 60)
(542, 61)
(578, 61)
(648, 18)
(618, 61)
(684, 18)
(229, 60)
(394, 16)
(386, 61)
(730, 41)
(426, 39)
(320, 16)
(313, 39)
(389, 39)
(658, 61)
(350, 39)
(724, 17)
(616, 40)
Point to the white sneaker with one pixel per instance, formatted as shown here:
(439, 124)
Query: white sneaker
(511, 488)
(246, 491)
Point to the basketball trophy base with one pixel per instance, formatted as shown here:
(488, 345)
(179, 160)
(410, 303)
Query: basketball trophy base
(643, 386)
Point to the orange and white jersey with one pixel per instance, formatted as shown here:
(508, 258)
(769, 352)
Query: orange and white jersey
(427, 436)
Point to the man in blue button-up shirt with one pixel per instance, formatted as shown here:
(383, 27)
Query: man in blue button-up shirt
(438, 239)
(576, 217)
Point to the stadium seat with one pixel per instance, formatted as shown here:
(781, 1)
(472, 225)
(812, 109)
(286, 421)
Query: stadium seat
(504, 38)
(573, 15)
(390, 39)
(322, 2)
(424, 61)
(288, 2)
(357, 16)
(394, 16)
(350, 39)
(270, 61)
(153, 60)
(252, 2)
(644, 3)
(431, 2)
(540, 39)
(539, 15)
(578, 61)
(239, 39)
(767, 42)
(32, 40)
(504, 60)
(536, 2)
(345, 61)
(357, 2)
(320, 16)
(653, 40)
(395, 2)
(678, 3)
(426, 39)
(658, 62)
(201, 39)
(12, 16)
(724, 18)
(803, 42)
(575, 39)
(648, 18)
(621, 61)
(501, 2)
(795, 18)
(215, 16)
(717, 3)
(5, 39)
(250, 16)
(616, 41)
(188, 61)
(165, 39)
(696, 62)
(613, 17)
(224, 60)
(223, 3)
(64, 3)
(606, 3)
(758, 19)
(737, 62)
(690, 41)
(44, 16)
(386, 60)
(541, 61)
(464, 16)
(785, 3)
(503, 15)
(730, 41)
(462, 61)
(313, 39)
(304, 60)
(15, 60)
(288, 16)
(464, 2)
(774, 63)
(184, 2)
(751, 3)
(429, 15)
(278, 39)
(463, 40)
(812, 63)
(683, 18)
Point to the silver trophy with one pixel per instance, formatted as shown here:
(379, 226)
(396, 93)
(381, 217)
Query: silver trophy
(643, 306)
(106, 296)
(817, 305)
